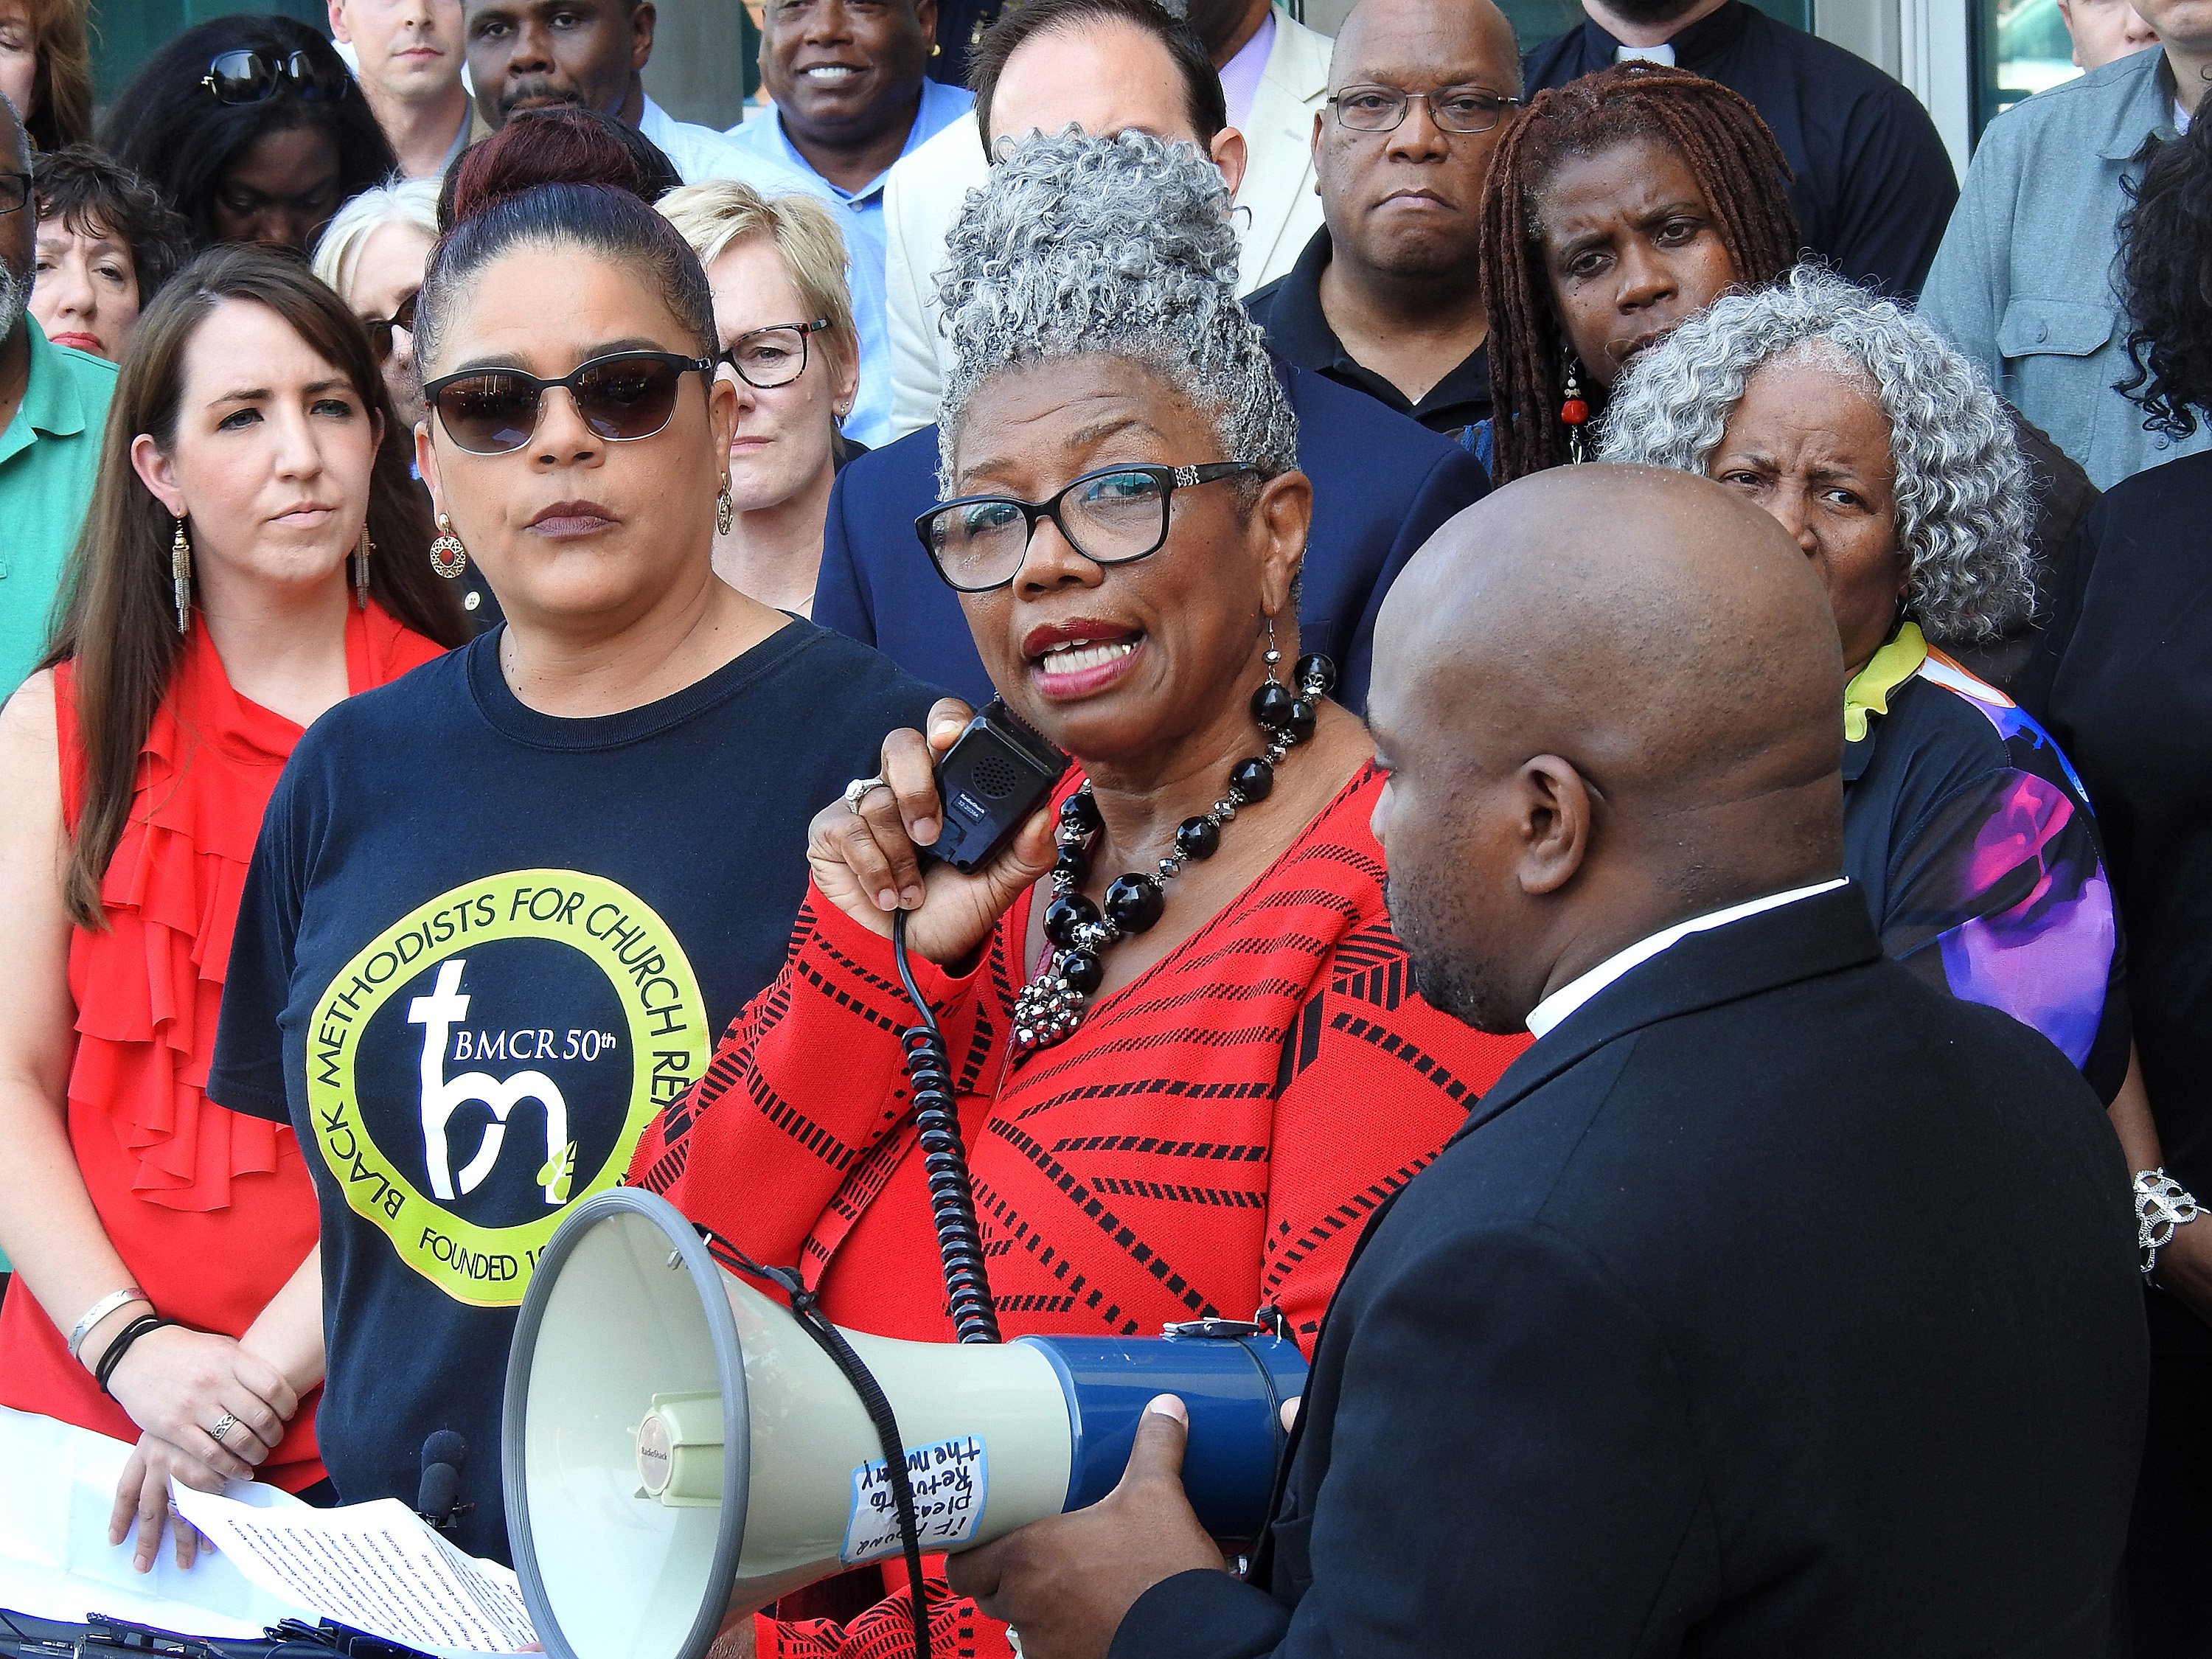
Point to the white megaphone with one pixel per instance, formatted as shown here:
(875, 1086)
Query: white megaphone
(680, 1451)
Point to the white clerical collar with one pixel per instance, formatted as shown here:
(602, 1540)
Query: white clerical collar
(1661, 53)
(1547, 1014)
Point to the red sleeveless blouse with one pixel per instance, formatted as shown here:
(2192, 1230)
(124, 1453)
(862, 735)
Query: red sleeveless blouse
(211, 1211)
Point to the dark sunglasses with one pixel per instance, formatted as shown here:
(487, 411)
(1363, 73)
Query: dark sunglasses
(380, 328)
(248, 77)
(623, 396)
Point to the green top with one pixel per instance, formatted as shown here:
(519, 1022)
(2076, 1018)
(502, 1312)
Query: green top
(49, 456)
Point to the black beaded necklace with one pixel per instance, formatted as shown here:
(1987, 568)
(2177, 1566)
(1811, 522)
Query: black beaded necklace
(1050, 1007)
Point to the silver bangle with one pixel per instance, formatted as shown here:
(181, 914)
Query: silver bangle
(100, 1310)
(2162, 1204)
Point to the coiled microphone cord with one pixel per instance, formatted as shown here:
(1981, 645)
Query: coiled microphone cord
(945, 1160)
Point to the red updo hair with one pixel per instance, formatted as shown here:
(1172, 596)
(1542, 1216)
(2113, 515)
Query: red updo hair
(566, 177)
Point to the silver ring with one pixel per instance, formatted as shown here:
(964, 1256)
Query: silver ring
(857, 790)
(224, 1425)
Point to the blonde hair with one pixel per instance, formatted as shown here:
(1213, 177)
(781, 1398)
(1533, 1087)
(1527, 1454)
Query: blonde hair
(715, 217)
(396, 201)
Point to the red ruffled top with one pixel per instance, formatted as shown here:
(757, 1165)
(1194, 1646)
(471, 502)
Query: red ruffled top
(211, 1211)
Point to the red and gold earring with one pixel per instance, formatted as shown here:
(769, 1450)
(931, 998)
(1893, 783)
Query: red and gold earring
(1574, 413)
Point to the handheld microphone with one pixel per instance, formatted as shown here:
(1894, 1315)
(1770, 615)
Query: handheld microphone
(437, 1500)
(988, 784)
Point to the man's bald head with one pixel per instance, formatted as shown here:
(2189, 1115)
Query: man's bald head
(1611, 699)
(1405, 205)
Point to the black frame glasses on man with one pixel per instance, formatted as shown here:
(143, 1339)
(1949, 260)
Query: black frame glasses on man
(771, 353)
(246, 76)
(622, 397)
(15, 192)
(1454, 109)
(380, 328)
(1119, 515)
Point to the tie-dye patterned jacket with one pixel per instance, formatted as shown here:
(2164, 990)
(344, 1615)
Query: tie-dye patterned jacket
(1972, 839)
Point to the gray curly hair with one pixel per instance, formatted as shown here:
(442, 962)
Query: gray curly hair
(1121, 245)
(1961, 488)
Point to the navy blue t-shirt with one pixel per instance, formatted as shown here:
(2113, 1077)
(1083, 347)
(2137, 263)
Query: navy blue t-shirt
(479, 950)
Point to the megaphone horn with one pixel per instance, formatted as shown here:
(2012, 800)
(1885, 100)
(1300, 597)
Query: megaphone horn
(678, 1449)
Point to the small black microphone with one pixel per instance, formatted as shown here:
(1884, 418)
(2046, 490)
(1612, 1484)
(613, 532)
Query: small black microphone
(437, 1500)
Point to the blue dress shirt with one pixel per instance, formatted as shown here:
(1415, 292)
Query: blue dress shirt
(865, 253)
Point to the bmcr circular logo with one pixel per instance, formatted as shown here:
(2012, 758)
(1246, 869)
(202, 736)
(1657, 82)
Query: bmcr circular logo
(492, 1058)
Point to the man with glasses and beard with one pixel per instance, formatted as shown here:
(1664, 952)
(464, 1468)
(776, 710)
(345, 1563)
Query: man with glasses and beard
(1874, 185)
(532, 54)
(53, 404)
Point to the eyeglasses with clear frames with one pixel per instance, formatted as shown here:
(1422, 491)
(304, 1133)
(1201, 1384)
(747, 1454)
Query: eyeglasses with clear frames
(1454, 109)
(1115, 515)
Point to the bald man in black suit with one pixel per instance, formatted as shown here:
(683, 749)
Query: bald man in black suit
(1770, 1303)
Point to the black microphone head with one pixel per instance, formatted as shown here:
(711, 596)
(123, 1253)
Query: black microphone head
(444, 1446)
(439, 1491)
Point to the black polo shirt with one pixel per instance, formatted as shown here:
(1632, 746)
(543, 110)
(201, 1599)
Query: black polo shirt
(1874, 185)
(1289, 309)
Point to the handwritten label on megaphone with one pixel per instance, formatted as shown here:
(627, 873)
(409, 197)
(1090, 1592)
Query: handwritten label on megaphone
(950, 1479)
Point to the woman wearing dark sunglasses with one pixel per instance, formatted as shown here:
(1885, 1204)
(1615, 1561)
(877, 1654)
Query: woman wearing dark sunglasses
(1189, 1058)
(253, 126)
(498, 917)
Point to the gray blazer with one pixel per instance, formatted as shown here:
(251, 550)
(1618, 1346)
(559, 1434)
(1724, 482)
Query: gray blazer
(2024, 283)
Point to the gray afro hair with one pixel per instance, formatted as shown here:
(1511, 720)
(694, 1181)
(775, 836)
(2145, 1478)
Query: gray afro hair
(1961, 488)
(1121, 245)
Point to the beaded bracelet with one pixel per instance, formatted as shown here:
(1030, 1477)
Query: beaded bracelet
(121, 1346)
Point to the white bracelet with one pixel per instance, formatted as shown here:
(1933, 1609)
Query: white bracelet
(2162, 1204)
(100, 1310)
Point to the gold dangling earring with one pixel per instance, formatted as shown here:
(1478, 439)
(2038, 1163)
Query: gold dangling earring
(448, 556)
(180, 577)
(361, 569)
(726, 510)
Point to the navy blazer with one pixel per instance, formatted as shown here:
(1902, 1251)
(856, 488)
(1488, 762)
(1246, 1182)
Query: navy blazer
(1381, 485)
(1773, 1303)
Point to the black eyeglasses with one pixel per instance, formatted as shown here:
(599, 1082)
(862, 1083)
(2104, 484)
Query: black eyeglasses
(1113, 516)
(14, 191)
(623, 396)
(380, 328)
(765, 358)
(1454, 109)
(249, 77)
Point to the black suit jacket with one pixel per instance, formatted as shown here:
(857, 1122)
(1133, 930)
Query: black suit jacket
(1772, 1304)
(1381, 485)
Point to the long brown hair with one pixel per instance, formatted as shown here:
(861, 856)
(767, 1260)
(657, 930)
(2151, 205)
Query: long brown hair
(118, 620)
(61, 94)
(1740, 170)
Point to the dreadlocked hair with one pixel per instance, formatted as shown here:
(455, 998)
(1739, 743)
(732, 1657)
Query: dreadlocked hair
(1739, 168)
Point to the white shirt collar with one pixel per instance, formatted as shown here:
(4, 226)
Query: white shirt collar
(1661, 53)
(1545, 1016)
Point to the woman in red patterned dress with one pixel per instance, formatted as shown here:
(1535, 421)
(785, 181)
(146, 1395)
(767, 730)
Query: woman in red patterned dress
(254, 551)
(1239, 1068)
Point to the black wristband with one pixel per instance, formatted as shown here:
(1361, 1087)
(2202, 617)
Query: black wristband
(121, 1346)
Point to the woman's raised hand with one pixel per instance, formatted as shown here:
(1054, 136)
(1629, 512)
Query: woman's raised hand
(865, 863)
(180, 1385)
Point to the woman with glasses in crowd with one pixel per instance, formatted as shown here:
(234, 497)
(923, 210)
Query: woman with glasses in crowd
(253, 126)
(499, 911)
(1186, 1056)
(254, 553)
(373, 254)
(784, 320)
(107, 243)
